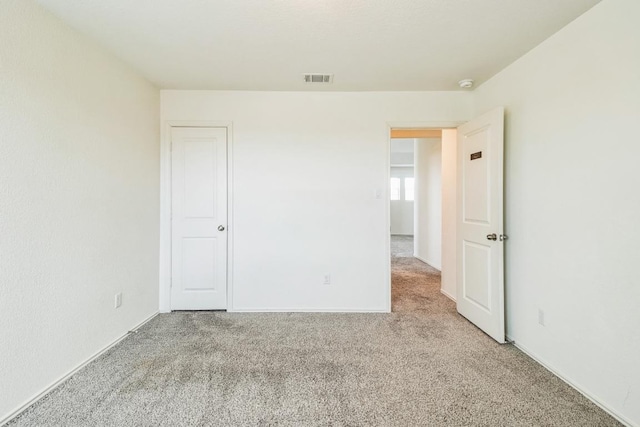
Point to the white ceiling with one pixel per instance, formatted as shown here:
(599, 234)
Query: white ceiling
(367, 44)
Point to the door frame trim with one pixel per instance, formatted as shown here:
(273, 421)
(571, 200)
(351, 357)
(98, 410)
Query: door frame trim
(164, 294)
(402, 125)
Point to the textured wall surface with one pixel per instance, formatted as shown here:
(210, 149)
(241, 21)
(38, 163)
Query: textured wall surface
(79, 135)
(449, 211)
(310, 164)
(572, 201)
(428, 206)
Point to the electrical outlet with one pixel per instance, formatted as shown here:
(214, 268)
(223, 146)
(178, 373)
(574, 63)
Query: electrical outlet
(541, 317)
(327, 279)
(118, 300)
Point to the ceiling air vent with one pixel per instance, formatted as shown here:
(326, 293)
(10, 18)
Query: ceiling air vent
(318, 78)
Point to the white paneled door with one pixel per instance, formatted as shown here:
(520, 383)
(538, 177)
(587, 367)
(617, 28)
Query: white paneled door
(480, 290)
(198, 218)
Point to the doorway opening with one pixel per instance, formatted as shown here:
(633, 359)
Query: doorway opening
(422, 210)
(458, 216)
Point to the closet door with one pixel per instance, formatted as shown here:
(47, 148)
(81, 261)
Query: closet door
(198, 218)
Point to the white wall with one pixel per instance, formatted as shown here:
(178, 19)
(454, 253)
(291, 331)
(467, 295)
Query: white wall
(78, 200)
(449, 212)
(402, 151)
(401, 158)
(402, 210)
(428, 205)
(572, 202)
(306, 167)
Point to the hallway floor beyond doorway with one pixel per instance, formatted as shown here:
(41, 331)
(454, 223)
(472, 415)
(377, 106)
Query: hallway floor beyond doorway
(401, 246)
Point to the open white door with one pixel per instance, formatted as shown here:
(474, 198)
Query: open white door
(480, 246)
(198, 218)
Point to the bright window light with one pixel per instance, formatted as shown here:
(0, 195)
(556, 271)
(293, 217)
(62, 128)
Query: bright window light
(408, 188)
(395, 188)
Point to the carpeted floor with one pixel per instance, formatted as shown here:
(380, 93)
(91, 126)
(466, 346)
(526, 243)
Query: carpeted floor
(422, 365)
(401, 246)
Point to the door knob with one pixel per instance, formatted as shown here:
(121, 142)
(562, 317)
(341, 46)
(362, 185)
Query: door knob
(492, 236)
(221, 228)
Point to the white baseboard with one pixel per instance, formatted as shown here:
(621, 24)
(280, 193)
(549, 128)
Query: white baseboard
(68, 375)
(306, 310)
(426, 261)
(448, 295)
(574, 385)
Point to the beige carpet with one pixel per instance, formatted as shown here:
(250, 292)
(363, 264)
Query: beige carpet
(422, 365)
